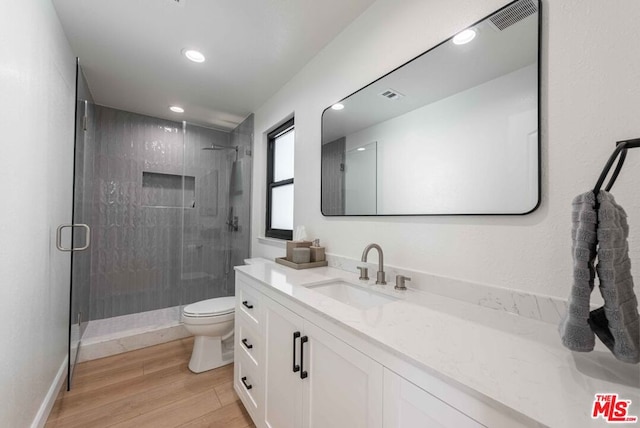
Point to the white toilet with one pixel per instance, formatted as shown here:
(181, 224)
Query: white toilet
(211, 322)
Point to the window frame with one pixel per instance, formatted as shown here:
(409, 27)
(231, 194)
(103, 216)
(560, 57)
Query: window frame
(270, 232)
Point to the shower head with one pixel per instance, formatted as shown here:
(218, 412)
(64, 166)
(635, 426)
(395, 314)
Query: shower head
(217, 147)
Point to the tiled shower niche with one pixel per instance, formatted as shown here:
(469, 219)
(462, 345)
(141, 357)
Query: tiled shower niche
(168, 190)
(159, 212)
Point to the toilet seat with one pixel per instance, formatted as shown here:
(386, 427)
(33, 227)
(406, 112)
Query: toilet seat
(210, 320)
(210, 308)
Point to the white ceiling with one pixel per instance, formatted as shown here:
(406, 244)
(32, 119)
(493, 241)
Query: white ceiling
(130, 51)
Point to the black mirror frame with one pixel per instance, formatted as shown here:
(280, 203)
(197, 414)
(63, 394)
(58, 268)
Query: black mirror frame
(539, 196)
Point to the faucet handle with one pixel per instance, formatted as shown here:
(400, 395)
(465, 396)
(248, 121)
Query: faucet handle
(400, 279)
(364, 272)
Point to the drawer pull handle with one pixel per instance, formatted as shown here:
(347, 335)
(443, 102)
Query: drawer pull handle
(246, 344)
(303, 372)
(247, 305)
(296, 368)
(244, 382)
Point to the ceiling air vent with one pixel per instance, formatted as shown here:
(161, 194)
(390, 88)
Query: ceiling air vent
(514, 13)
(391, 94)
(180, 3)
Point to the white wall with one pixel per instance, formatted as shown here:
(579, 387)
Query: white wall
(590, 98)
(472, 152)
(37, 86)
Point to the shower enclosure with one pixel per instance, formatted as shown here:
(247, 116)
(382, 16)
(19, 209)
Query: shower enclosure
(168, 207)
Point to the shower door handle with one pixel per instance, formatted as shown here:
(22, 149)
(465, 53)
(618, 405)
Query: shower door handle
(59, 237)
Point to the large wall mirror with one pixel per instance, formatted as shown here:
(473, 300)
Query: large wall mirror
(453, 131)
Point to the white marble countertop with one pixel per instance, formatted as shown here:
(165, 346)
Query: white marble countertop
(512, 360)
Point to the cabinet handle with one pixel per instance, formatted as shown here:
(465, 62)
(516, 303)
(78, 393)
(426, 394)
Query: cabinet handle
(244, 382)
(247, 305)
(303, 372)
(246, 344)
(296, 368)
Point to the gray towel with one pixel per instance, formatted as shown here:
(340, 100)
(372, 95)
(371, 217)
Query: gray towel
(617, 323)
(574, 329)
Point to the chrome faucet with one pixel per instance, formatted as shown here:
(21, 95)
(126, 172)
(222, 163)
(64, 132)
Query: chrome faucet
(363, 270)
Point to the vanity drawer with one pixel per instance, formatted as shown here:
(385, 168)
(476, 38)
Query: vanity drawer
(249, 304)
(248, 385)
(248, 341)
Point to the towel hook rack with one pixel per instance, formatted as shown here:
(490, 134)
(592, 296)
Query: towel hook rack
(621, 149)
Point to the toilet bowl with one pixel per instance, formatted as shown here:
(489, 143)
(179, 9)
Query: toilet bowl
(211, 322)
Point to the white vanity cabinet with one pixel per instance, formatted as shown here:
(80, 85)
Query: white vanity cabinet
(408, 406)
(291, 373)
(315, 380)
(308, 378)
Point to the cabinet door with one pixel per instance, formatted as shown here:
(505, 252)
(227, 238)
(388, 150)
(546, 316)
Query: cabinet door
(343, 387)
(283, 386)
(407, 406)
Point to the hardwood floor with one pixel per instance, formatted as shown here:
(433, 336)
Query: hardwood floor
(150, 387)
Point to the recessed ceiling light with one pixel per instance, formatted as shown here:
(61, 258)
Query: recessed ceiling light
(337, 106)
(193, 55)
(361, 149)
(176, 109)
(464, 36)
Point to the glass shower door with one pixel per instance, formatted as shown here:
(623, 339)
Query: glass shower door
(80, 236)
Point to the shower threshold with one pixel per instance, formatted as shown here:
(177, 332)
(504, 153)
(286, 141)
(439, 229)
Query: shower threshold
(111, 336)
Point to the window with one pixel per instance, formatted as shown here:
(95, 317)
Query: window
(280, 182)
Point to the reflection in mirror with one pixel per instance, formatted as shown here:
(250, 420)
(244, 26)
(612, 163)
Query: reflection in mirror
(454, 131)
(360, 178)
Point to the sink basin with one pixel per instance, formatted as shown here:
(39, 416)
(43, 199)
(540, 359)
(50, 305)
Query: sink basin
(352, 295)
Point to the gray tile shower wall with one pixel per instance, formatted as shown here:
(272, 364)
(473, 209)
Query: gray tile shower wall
(146, 257)
(240, 197)
(206, 239)
(212, 245)
(135, 254)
